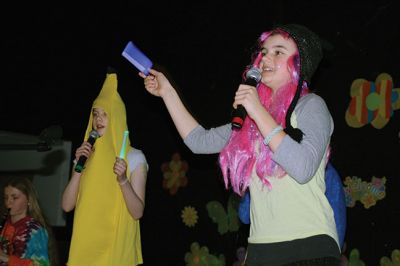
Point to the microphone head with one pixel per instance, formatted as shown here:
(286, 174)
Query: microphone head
(254, 73)
(94, 134)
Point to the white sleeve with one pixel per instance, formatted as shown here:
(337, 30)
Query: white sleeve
(136, 157)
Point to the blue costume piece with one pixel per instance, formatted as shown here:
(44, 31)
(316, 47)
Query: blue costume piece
(334, 192)
(336, 197)
(244, 208)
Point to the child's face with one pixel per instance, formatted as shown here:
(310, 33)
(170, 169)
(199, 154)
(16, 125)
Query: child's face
(100, 120)
(276, 51)
(16, 201)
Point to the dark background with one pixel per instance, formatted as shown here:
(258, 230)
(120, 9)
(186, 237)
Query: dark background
(55, 60)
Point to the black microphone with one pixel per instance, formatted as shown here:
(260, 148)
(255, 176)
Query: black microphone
(253, 77)
(4, 218)
(93, 135)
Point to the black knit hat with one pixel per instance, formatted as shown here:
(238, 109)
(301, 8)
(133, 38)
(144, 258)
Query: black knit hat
(310, 53)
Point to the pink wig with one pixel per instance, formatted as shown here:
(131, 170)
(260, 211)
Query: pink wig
(245, 147)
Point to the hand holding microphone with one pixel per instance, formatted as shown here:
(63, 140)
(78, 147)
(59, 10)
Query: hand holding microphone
(4, 218)
(85, 151)
(253, 77)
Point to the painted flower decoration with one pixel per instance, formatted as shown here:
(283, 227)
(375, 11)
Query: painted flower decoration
(355, 259)
(240, 256)
(201, 257)
(189, 216)
(174, 173)
(393, 261)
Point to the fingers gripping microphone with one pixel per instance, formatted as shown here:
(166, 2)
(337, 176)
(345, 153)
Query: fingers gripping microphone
(93, 135)
(253, 77)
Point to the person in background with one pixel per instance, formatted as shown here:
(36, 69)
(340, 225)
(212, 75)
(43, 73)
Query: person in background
(280, 152)
(25, 235)
(109, 193)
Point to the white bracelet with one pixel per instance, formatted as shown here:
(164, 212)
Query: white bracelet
(123, 182)
(271, 134)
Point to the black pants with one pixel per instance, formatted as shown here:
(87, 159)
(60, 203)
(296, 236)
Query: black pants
(326, 261)
(317, 250)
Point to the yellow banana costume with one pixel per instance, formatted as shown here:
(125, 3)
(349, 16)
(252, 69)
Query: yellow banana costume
(104, 233)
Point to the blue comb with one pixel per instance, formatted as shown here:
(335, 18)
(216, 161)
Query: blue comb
(137, 58)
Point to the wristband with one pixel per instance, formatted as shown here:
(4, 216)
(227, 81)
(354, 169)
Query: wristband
(271, 134)
(123, 182)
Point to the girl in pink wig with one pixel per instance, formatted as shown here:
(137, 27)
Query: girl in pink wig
(279, 154)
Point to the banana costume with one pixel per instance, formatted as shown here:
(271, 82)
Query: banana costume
(104, 233)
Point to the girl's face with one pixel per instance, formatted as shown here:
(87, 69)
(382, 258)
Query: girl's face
(276, 51)
(100, 120)
(16, 202)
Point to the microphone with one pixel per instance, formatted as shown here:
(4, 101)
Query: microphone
(93, 135)
(253, 77)
(4, 218)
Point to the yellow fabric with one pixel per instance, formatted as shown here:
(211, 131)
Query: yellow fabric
(104, 233)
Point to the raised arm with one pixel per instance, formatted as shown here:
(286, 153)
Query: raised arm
(157, 84)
